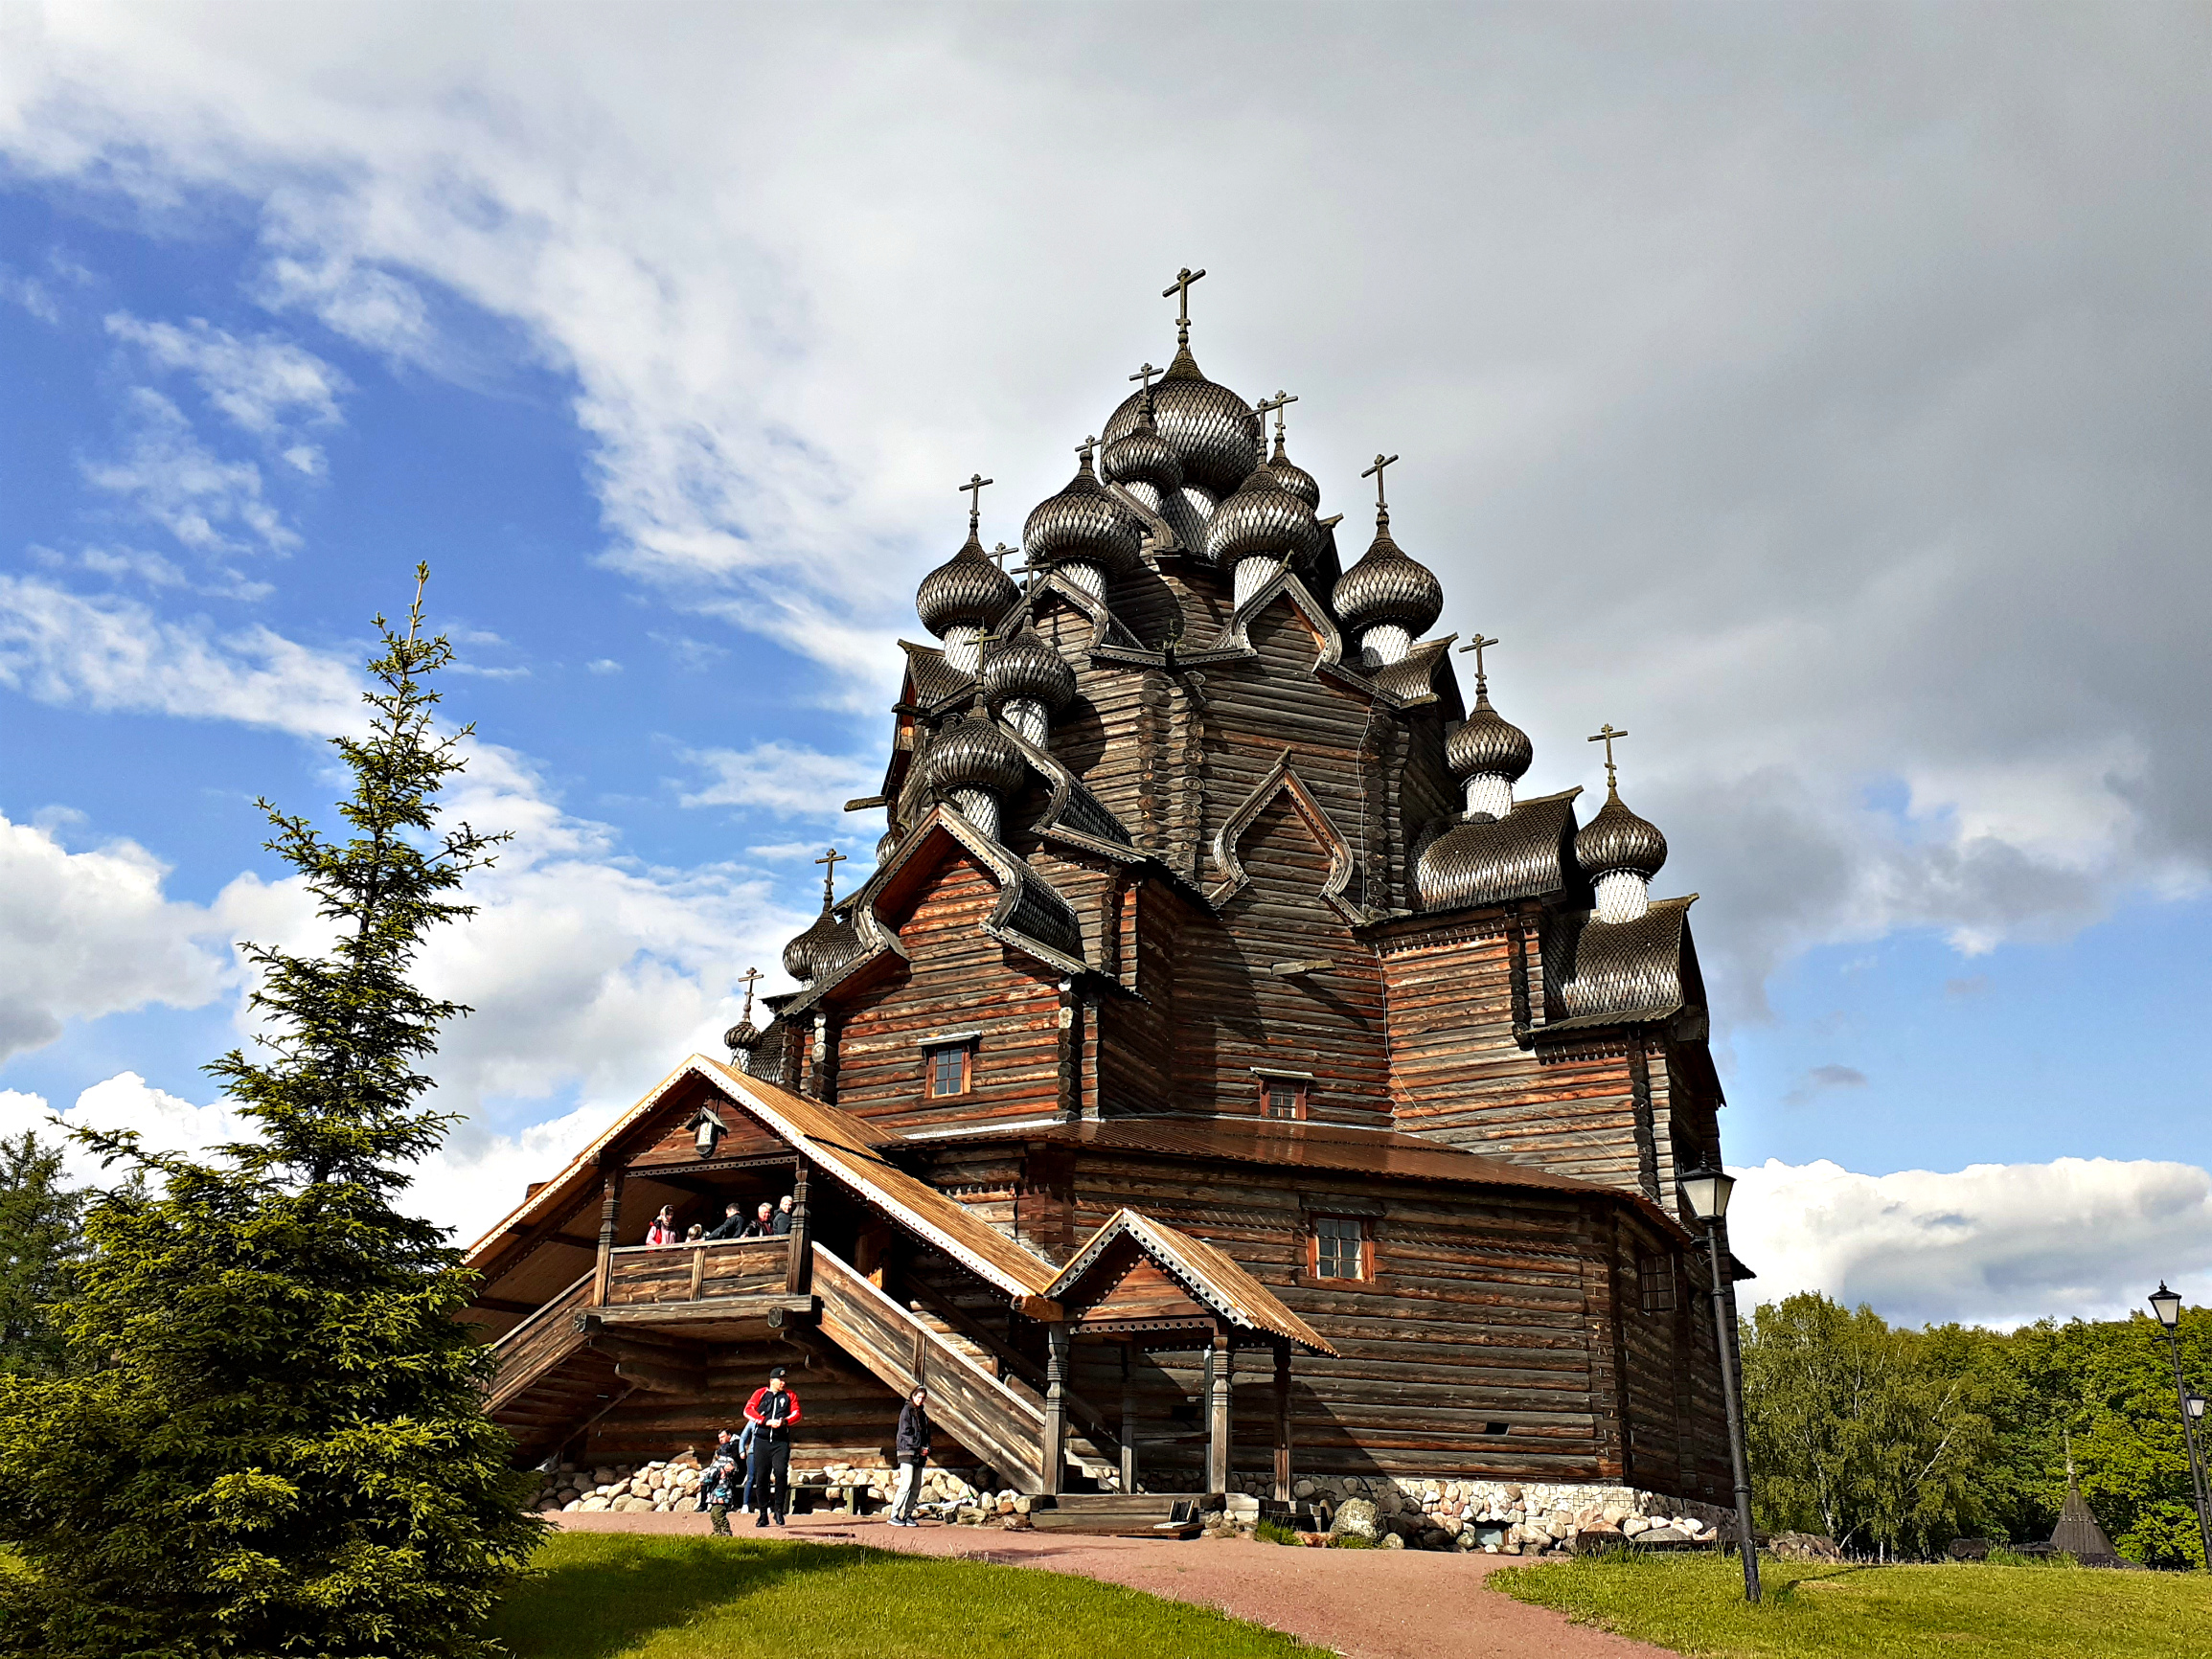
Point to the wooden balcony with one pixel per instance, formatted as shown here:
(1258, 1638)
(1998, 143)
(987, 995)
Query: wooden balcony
(722, 1291)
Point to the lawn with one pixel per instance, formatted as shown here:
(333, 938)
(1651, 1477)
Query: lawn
(1694, 1605)
(625, 1596)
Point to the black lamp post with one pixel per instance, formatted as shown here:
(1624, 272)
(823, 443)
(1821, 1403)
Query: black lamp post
(2167, 1306)
(1708, 1191)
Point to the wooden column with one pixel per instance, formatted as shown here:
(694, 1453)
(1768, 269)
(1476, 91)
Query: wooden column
(1646, 1128)
(1220, 1362)
(609, 1213)
(800, 1259)
(1281, 1422)
(1128, 1428)
(1517, 938)
(1055, 1446)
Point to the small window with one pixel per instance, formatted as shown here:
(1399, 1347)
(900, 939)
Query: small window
(1339, 1247)
(1657, 1276)
(951, 1070)
(1283, 1096)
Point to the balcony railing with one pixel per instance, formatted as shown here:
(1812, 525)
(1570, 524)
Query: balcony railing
(645, 1274)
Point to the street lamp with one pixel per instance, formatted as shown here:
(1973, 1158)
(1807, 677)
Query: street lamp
(1707, 1192)
(2167, 1306)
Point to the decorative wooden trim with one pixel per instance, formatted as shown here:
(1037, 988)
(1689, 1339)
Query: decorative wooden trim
(1282, 778)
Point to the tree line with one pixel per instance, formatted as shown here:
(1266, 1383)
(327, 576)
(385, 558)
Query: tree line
(1895, 1441)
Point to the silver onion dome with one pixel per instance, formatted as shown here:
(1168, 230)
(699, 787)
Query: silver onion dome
(1026, 668)
(966, 590)
(1142, 455)
(1487, 742)
(1293, 477)
(1262, 519)
(1213, 432)
(1082, 525)
(1388, 587)
(1617, 839)
(826, 946)
(744, 1035)
(974, 754)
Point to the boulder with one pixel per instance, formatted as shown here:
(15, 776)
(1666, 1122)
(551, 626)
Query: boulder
(1302, 1489)
(1392, 1541)
(1802, 1547)
(1432, 1538)
(1654, 1535)
(1356, 1517)
(1631, 1525)
(593, 1505)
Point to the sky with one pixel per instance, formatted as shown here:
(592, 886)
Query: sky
(1822, 394)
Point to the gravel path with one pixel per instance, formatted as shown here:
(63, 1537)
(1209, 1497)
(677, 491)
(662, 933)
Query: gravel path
(1364, 1604)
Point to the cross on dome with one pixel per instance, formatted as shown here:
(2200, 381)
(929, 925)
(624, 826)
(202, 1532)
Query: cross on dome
(748, 979)
(1476, 644)
(973, 491)
(1180, 290)
(1606, 735)
(832, 858)
(1147, 374)
(1276, 404)
(1382, 505)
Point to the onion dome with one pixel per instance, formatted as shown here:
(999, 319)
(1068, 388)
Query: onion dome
(975, 754)
(1082, 525)
(1026, 668)
(1262, 519)
(1388, 587)
(823, 949)
(1213, 431)
(966, 590)
(1487, 743)
(1142, 455)
(744, 1035)
(1293, 477)
(1617, 839)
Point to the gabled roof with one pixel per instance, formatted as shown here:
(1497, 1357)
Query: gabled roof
(932, 681)
(845, 1146)
(1211, 1277)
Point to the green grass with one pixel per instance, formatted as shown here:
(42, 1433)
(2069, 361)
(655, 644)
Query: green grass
(1694, 1605)
(626, 1596)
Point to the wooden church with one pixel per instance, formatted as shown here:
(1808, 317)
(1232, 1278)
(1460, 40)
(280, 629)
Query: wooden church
(1224, 1077)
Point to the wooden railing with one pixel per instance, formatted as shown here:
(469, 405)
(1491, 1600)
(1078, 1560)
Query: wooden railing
(538, 1342)
(649, 1273)
(899, 1350)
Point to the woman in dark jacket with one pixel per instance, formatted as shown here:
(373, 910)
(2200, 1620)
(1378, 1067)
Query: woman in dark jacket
(913, 1453)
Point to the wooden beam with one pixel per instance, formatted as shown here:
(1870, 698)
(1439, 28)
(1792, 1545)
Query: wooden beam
(609, 1216)
(1281, 1422)
(1128, 1434)
(1055, 1404)
(795, 1268)
(1220, 1359)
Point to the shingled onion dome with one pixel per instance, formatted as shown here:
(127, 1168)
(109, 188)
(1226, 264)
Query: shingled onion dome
(964, 596)
(1260, 529)
(1084, 533)
(1389, 599)
(1293, 477)
(1026, 682)
(976, 766)
(1213, 433)
(1142, 462)
(1489, 755)
(1620, 853)
(827, 946)
(742, 1039)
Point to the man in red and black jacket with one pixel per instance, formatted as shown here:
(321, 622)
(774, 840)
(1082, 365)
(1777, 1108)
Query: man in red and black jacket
(771, 1410)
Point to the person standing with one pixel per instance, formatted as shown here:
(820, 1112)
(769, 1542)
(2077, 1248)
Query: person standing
(717, 1486)
(913, 1451)
(663, 1229)
(783, 1217)
(763, 1222)
(732, 1225)
(773, 1411)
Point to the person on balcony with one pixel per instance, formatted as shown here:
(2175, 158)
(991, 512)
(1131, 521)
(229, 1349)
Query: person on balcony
(763, 1222)
(663, 1229)
(732, 1225)
(913, 1451)
(783, 1217)
(695, 1234)
(773, 1411)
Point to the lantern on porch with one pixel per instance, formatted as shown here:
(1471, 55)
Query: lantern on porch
(706, 1131)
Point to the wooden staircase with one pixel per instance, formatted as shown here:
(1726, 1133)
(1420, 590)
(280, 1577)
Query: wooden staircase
(1116, 1515)
(549, 1380)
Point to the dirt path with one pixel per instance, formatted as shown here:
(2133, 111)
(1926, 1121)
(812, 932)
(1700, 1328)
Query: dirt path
(1366, 1604)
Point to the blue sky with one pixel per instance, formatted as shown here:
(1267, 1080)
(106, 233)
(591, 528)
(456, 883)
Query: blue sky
(1830, 415)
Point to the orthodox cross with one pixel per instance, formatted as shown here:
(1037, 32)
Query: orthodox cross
(1376, 472)
(747, 979)
(832, 858)
(1148, 371)
(1606, 736)
(1180, 288)
(1084, 449)
(1275, 404)
(973, 491)
(1000, 553)
(1477, 646)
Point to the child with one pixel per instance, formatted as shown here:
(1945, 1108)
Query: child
(697, 1235)
(716, 1487)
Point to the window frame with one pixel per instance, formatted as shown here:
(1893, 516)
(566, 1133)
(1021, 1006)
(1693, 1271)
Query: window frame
(931, 1053)
(1658, 1286)
(1363, 1237)
(1301, 1095)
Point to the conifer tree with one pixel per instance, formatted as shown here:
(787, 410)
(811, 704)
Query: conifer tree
(40, 1245)
(277, 1445)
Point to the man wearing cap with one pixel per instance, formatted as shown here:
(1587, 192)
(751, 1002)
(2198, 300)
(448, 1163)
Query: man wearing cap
(771, 1410)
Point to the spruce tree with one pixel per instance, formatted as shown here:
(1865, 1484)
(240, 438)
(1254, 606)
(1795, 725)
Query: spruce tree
(277, 1445)
(39, 1246)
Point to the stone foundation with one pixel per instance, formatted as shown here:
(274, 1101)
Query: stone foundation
(1503, 1517)
(674, 1485)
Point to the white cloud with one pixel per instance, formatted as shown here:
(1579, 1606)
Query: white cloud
(28, 293)
(114, 654)
(88, 934)
(1992, 1244)
(126, 1100)
(260, 384)
(781, 778)
(171, 478)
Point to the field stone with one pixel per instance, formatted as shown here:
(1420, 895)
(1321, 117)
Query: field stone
(1392, 1541)
(1355, 1517)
